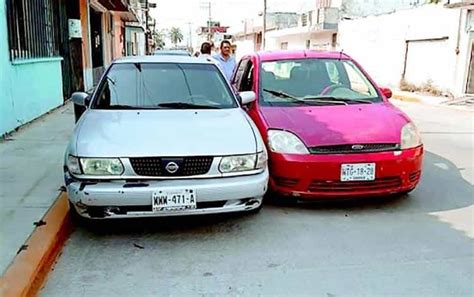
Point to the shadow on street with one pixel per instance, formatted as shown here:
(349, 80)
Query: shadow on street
(442, 188)
(385, 246)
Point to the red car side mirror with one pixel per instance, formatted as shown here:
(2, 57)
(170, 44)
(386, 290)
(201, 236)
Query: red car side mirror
(386, 92)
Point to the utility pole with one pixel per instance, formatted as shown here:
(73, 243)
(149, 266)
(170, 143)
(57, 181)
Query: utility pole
(209, 23)
(208, 5)
(190, 39)
(264, 23)
(147, 29)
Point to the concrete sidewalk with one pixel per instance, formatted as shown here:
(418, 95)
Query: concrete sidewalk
(464, 103)
(419, 98)
(31, 163)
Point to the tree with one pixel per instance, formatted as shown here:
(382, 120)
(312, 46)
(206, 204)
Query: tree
(159, 38)
(176, 36)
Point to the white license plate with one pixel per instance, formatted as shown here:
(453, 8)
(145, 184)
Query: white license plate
(173, 200)
(358, 172)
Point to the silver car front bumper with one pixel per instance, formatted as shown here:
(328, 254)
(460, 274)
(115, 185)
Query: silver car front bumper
(121, 199)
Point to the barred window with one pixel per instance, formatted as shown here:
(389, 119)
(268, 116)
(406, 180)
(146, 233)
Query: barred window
(33, 28)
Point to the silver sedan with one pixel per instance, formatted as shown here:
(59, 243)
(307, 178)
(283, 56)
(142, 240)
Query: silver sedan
(164, 136)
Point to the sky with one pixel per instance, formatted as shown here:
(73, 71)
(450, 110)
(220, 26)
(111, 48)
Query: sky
(180, 13)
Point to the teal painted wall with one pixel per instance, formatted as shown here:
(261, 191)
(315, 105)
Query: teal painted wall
(27, 89)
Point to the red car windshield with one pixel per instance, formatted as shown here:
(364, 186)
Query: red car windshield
(320, 81)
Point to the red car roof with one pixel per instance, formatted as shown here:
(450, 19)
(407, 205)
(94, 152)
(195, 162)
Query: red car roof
(299, 54)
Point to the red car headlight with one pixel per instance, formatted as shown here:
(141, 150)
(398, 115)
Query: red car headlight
(410, 137)
(285, 142)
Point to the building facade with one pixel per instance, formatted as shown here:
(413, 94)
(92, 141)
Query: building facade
(413, 43)
(363, 8)
(103, 27)
(318, 24)
(250, 39)
(52, 48)
(135, 30)
(427, 47)
(30, 68)
(316, 29)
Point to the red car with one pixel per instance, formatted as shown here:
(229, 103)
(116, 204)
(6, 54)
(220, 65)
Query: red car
(330, 130)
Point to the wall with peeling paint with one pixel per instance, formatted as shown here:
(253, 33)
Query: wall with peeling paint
(28, 88)
(433, 42)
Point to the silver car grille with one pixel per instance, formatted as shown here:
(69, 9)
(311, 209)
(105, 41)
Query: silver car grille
(166, 166)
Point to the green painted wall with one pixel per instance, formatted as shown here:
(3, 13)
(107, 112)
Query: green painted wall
(28, 88)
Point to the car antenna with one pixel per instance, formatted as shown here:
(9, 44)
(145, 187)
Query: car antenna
(340, 54)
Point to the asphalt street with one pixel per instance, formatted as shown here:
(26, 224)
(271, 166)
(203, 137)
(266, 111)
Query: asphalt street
(420, 245)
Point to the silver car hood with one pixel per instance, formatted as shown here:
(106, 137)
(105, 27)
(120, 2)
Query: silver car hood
(133, 133)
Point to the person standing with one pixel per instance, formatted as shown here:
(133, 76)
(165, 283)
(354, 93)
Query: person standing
(226, 60)
(206, 49)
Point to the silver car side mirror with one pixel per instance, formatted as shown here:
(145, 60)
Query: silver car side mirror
(247, 97)
(80, 98)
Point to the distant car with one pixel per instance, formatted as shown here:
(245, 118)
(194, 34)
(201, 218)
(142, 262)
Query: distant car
(172, 53)
(164, 136)
(329, 129)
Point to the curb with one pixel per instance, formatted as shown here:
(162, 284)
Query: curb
(29, 269)
(406, 98)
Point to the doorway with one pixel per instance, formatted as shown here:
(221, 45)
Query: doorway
(96, 45)
(70, 49)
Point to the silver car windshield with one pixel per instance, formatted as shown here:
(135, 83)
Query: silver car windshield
(163, 85)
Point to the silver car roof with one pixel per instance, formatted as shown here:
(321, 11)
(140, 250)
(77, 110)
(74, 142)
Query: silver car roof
(162, 59)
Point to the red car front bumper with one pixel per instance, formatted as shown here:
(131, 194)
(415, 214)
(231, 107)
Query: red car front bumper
(318, 176)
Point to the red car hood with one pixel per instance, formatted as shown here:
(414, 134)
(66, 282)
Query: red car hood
(333, 125)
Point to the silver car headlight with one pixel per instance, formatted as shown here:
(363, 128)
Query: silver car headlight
(243, 163)
(285, 142)
(262, 160)
(101, 166)
(410, 137)
(73, 165)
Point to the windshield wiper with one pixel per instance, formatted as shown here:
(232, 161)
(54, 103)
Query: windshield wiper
(337, 99)
(111, 80)
(286, 95)
(124, 107)
(183, 105)
(282, 94)
(305, 100)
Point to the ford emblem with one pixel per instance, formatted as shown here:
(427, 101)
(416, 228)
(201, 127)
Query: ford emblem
(172, 167)
(357, 147)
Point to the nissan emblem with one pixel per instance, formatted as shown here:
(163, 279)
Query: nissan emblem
(172, 167)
